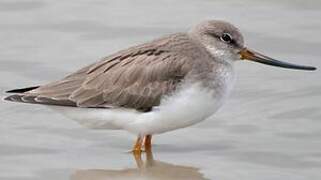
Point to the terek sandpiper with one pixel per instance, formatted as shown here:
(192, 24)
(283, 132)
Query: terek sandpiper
(166, 84)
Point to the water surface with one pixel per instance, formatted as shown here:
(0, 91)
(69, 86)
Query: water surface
(269, 129)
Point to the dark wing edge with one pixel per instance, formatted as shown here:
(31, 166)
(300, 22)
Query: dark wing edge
(30, 95)
(17, 97)
(22, 90)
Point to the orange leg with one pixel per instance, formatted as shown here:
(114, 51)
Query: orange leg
(145, 142)
(137, 151)
(148, 142)
(138, 145)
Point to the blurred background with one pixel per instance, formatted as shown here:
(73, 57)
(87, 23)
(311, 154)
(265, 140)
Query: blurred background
(269, 129)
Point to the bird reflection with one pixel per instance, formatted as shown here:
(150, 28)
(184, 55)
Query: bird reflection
(146, 169)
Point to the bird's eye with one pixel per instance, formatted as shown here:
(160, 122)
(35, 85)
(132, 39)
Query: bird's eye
(226, 37)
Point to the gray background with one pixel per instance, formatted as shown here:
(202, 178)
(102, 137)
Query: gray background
(269, 129)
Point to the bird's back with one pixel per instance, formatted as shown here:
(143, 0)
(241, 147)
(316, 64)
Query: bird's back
(136, 77)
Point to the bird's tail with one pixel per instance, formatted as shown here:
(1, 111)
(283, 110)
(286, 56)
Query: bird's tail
(18, 94)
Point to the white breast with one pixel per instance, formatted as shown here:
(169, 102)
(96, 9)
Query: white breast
(190, 105)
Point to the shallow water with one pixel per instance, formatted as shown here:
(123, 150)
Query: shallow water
(269, 129)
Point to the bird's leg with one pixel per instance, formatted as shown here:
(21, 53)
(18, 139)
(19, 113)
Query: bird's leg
(149, 155)
(137, 149)
(145, 142)
(148, 143)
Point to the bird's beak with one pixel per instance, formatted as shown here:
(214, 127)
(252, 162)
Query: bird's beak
(251, 55)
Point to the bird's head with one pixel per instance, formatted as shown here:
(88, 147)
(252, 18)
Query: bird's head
(225, 43)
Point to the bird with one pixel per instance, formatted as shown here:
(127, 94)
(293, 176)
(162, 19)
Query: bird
(162, 85)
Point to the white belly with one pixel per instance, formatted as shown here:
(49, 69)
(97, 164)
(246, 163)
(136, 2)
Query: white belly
(191, 104)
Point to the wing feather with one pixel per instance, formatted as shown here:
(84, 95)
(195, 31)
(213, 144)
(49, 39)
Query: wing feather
(134, 78)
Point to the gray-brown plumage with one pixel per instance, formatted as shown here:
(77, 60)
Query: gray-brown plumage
(140, 76)
(135, 78)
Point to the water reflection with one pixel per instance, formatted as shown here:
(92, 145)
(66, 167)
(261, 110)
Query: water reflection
(146, 169)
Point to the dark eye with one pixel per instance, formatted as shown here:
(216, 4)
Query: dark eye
(226, 37)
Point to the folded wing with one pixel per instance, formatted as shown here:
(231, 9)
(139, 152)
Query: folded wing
(134, 78)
